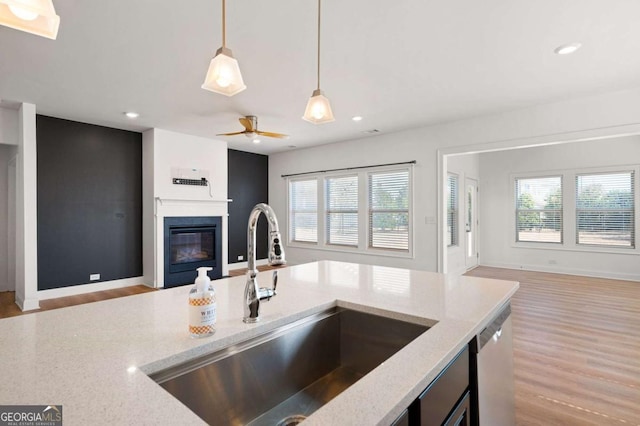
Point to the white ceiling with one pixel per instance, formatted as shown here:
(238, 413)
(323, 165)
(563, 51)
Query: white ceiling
(400, 64)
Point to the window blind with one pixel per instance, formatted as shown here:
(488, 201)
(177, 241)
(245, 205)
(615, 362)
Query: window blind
(539, 209)
(605, 211)
(303, 210)
(342, 210)
(452, 210)
(389, 210)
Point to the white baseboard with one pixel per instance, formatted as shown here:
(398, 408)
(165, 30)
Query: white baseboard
(568, 271)
(89, 288)
(243, 265)
(27, 304)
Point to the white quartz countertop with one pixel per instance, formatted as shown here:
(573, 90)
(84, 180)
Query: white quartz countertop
(93, 359)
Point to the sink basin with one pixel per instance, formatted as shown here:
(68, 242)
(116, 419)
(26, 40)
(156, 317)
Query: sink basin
(283, 376)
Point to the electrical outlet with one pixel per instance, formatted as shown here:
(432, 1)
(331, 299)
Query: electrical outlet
(94, 277)
(241, 257)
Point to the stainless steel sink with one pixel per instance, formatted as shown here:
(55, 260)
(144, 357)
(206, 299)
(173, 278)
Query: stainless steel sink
(283, 376)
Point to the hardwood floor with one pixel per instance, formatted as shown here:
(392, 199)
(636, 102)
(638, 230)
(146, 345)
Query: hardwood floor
(576, 348)
(8, 308)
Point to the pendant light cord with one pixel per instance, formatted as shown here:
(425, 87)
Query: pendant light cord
(318, 44)
(224, 24)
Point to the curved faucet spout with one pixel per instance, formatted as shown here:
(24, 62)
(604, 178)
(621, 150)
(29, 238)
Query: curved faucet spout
(252, 293)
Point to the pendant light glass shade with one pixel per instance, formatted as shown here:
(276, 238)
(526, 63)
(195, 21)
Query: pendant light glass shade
(33, 16)
(318, 109)
(224, 75)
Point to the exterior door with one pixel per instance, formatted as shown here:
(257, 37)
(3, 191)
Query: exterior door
(471, 222)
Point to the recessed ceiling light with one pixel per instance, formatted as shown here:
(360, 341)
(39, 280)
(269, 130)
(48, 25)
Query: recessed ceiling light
(356, 118)
(256, 141)
(566, 49)
(132, 114)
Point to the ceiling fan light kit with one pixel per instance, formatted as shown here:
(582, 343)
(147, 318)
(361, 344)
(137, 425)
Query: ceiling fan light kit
(224, 75)
(32, 16)
(318, 109)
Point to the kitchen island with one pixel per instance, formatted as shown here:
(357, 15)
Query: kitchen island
(94, 359)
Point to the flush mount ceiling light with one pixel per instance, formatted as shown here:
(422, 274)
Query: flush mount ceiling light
(318, 109)
(567, 49)
(224, 75)
(33, 16)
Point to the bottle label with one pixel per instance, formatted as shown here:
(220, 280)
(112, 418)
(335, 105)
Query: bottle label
(202, 315)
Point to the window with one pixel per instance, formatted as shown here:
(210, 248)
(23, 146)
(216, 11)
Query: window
(389, 210)
(342, 210)
(605, 211)
(360, 211)
(303, 210)
(452, 210)
(539, 209)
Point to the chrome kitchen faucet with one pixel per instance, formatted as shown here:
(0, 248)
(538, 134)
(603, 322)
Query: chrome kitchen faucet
(252, 293)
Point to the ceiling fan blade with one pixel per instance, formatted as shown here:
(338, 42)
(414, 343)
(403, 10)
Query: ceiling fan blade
(272, 135)
(230, 134)
(247, 123)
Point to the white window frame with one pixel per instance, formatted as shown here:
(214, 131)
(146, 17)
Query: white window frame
(515, 205)
(369, 209)
(289, 211)
(569, 210)
(328, 211)
(634, 211)
(363, 213)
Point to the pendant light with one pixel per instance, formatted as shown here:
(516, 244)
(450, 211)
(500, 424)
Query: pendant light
(224, 75)
(33, 16)
(318, 109)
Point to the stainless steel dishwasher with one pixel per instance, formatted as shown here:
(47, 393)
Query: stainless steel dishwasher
(496, 397)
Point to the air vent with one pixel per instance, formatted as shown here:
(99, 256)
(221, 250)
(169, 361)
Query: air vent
(372, 131)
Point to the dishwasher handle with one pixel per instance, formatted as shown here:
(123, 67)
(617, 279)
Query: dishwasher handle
(494, 330)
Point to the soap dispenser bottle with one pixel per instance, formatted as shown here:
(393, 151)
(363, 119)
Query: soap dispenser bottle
(202, 306)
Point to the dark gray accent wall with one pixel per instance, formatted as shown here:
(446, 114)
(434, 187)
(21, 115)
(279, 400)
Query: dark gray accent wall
(248, 177)
(89, 203)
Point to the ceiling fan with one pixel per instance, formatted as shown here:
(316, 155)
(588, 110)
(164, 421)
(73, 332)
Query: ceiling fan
(250, 123)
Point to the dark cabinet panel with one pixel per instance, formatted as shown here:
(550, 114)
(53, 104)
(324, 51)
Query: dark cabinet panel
(435, 405)
(461, 416)
(402, 420)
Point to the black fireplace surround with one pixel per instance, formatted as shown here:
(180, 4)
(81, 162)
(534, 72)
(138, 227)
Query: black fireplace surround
(190, 243)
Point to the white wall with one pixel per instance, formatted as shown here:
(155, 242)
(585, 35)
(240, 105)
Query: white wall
(8, 126)
(7, 224)
(465, 166)
(163, 152)
(8, 152)
(497, 245)
(596, 116)
(26, 211)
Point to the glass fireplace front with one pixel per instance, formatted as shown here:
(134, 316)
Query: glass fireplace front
(190, 243)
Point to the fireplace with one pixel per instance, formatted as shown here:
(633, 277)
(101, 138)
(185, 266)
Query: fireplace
(190, 243)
